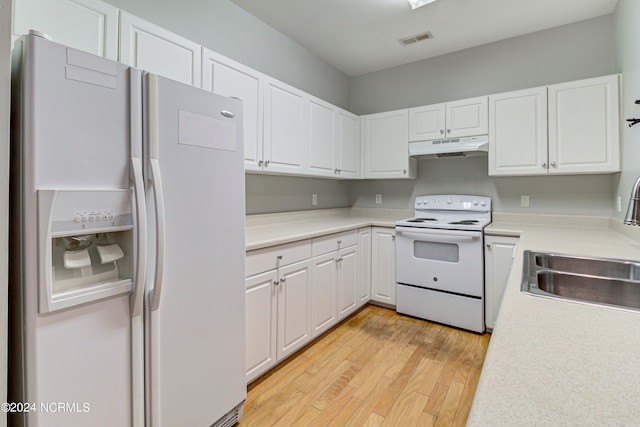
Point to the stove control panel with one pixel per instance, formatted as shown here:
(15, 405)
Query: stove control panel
(453, 202)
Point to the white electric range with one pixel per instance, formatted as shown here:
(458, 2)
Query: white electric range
(440, 260)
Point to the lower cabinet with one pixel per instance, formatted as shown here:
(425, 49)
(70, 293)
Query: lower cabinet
(308, 288)
(383, 265)
(499, 252)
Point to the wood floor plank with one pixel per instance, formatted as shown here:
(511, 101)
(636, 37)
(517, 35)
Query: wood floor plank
(449, 407)
(361, 415)
(377, 368)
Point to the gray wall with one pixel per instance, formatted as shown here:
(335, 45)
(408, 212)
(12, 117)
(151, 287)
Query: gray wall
(227, 29)
(627, 52)
(266, 193)
(570, 52)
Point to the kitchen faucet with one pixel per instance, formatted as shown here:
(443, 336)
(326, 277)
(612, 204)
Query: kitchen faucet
(633, 212)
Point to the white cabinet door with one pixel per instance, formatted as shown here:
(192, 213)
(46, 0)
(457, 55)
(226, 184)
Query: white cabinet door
(152, 48)
(88, 25)
(294, 315)
(321, 137)
(584, 126)
(324, 286)
(498, 257)
(427, 122)
(386, 145)
(261, 318)
(518, 132)
(285, 146)
(348, 280)
(383, 261)
(348, 158)
(467, 117)
(364, 246)
(229, 78)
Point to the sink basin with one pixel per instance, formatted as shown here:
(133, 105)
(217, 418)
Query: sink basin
(597, 281)
(601, 267)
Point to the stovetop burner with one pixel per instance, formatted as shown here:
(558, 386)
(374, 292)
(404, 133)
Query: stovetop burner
(450, 212)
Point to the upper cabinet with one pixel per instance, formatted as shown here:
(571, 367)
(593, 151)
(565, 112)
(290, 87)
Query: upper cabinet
(466, 117)
(348, 151)
(333, 137)
(568, 128)
(518, 132)
(229, 78)
(386, 146)
(88, 25)
(149, 47)
(322, 137)
(285, 122)
(584, 127)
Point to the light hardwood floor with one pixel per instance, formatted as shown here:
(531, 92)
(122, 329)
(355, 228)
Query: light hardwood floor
(376, 369)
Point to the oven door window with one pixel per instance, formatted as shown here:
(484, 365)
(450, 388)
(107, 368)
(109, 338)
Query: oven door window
(436, 251)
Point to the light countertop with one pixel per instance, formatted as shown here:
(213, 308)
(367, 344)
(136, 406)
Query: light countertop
(559, 363)
(275, 229)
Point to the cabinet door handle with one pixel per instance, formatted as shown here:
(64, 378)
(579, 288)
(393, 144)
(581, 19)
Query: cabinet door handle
(543, 164)
(260, 162)
(284, 279)
(448, 130)
(266, 162)
(404, 171)
(488, 245)
(279, 256)
(275, 282)
(553, 164)
(441, 131)
(339, 241)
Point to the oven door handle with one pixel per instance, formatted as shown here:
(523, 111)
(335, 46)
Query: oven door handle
(413, 234)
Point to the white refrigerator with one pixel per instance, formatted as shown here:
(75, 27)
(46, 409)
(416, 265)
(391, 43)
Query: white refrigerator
(127, 246)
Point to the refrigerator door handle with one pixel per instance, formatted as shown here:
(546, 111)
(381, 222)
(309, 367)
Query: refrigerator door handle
(141, 236)
(159, 200)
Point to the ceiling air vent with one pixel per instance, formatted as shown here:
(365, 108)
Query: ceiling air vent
(414, 39)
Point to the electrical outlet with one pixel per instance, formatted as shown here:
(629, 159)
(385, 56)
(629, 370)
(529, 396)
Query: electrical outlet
(378, 199)
(524, 201)
(619, 204)
(314, 199)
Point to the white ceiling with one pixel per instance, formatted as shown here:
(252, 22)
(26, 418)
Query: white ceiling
(361, 36)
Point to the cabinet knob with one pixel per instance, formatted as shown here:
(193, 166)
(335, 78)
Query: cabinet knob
(275, 282)
(448, 130)
(339, 170)
(404, 171)
(488, 246)
(279, 256)
(339, 241)
(266, 162)
(335, 171)
(543, 164)
(441, 131)
(284, 279)
(260, 162)
(337, 260)
(553, 164)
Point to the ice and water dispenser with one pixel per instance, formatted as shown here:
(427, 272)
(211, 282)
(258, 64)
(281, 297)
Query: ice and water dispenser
(86, 249)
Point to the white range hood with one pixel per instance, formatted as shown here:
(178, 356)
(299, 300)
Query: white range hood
(451, 147)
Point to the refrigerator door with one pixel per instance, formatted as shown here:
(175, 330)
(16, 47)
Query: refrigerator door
(73, 362)
(195, 294)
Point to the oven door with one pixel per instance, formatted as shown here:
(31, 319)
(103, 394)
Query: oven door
(445, 260)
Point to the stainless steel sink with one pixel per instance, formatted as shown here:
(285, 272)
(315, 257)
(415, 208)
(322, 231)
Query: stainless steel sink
(598, 281)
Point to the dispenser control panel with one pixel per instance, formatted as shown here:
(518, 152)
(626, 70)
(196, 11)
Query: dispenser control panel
(78, 211)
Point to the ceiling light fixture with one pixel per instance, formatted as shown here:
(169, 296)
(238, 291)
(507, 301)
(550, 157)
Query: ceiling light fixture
(418, 3)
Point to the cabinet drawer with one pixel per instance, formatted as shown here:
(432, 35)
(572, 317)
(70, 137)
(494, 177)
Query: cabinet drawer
(266, 259)
(333, 242)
